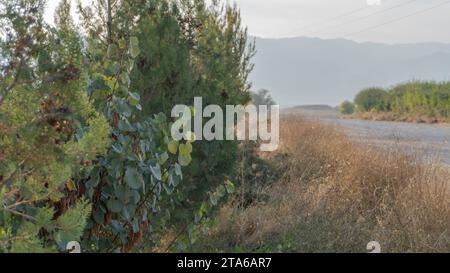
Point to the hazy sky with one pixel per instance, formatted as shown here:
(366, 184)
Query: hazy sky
(322, 18)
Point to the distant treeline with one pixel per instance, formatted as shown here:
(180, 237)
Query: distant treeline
(415, 97)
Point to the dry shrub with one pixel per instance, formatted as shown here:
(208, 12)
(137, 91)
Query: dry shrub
(336, 196)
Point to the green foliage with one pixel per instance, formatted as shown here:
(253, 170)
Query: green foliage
(371, 99)
(347, 108)
(85, 144)
(428, 98)
(132, 184)
(50, 132)
(262, 97)
(194, 49)
(425, 98)
(164, 75)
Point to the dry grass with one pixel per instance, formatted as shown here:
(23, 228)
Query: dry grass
(336, 196)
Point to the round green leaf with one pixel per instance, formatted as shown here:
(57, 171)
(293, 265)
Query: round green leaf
(115, 206)
(173, 147)
(229, 186)
(112, 50)
(134, 47)
(163, 158)
(185, 149)
(184, 160)
(133, 178)
(156, 171)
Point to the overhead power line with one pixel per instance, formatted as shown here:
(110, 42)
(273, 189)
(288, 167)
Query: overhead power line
(334, 18)
(362, 17)
(399, 19)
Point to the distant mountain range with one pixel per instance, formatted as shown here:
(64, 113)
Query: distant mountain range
(301, 71)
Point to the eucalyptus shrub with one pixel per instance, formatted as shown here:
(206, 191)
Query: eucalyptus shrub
(142, 169)
(140, 173)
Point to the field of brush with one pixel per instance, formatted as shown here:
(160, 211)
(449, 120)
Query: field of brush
(333, 194)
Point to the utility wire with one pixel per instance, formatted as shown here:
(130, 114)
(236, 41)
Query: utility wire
(362, 17)
(399, 19)
(334, 18)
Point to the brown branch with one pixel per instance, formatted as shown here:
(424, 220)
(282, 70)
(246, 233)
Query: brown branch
(109, 22)
(25, 216)
(21, 203)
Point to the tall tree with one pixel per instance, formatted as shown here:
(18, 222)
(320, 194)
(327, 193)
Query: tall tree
(49, 131)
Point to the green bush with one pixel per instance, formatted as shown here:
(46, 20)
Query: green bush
(347, 108)
(371, 99)
(429, 98)
(410, 98)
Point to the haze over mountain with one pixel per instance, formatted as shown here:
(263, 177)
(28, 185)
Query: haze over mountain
(301, 71)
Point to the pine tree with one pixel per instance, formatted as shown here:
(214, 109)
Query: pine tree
(50, 132)
(220, 57)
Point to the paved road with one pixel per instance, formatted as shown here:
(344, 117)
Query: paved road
(431, 142)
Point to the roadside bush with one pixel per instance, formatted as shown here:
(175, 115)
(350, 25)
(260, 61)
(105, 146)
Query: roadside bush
(415, 100)
(371, 99)
(347, 108)
(427, 98)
